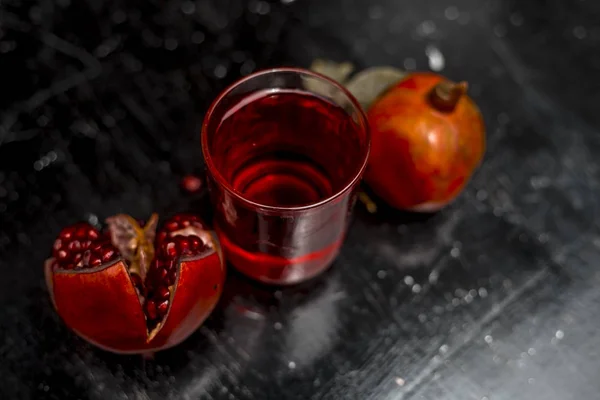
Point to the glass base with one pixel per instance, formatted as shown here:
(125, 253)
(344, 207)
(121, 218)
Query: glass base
(277, 270)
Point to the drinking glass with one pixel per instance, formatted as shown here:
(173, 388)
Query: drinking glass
(285, 150)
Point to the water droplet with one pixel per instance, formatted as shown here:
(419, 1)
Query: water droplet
(247, 67)
(435, 57)
(409, 280)
(375, 12)
(287, 1)
(579, 32)
(455, 252)
(451, 13)
(433, 277)
(483, 292)
(444, 348)
(422, 318)
(93, 219)
(503, 118)
(464, 18)
(188, 7)
(468, 298)
(170, 44)
(488, 339)
(220, 71)
(119, 17)
(277, 326)
(499, 31)
(7, 46)
(291, 365)
(381, 274)
(410, 64)
(198, 37)
(516, 19)
(416, 288)
(260, 7)
(530, 381)
(559, 334)
(426, 28)
(455, 302)
(35, 14)
(481, 195)
(540, 182)
(531, 351)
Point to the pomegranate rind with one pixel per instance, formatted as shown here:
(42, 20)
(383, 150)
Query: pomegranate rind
(102, 306)
(421, 159)
(196, 292)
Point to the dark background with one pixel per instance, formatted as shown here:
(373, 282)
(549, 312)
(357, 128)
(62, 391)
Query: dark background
(495, 297)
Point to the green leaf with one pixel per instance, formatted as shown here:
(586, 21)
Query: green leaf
(339, 72)
(369, 84)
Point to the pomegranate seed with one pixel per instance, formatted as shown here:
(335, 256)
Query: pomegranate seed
(162, 274)
(183, 246)
(171, 277)
(191, 183)
(108, 255)
(57, 244)
(81, 232)
(61, 255)
(92, 234)
(151, 309)
(171, 249)
(171, 266)
(172, 226)
(75, 245)
(162, 308)
(94, 262)
(163, 293)
(195, 242)
(136, 280)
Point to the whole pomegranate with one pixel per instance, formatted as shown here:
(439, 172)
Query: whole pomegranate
(427, 139)
(127, 289)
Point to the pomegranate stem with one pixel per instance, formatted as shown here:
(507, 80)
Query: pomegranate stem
(445, 95)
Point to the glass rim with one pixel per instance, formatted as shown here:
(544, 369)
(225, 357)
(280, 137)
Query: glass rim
(214, 171)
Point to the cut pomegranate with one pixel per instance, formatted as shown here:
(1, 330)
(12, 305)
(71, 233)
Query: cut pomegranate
(129, 290)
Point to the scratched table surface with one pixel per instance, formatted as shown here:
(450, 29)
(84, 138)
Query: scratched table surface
(495, 297)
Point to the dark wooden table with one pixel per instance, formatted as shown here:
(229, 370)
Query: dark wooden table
(496, 297)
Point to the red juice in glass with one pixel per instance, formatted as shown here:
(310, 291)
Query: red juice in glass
(285, 150)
